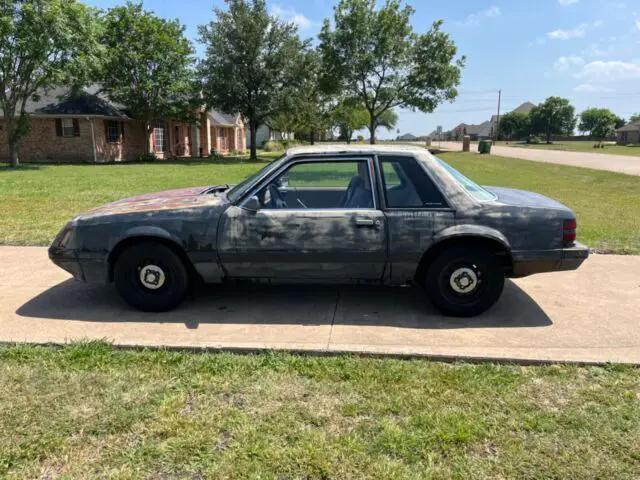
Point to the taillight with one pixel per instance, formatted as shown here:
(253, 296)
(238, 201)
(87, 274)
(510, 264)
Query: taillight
(569, 231)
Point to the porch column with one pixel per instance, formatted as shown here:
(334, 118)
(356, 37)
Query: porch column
(195, 141)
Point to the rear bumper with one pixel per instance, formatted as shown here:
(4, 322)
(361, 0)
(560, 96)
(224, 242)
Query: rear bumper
(539, 261)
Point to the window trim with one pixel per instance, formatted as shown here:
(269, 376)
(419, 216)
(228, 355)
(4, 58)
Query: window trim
(383, 188)
(72, 126)
(290, 164)
(164, 143)
(118, 130)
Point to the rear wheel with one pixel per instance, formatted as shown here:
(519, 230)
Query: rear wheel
(151, 277)
(465, 281)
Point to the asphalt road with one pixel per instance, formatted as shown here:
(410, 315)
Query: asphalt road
(590, 315)
(598, 161)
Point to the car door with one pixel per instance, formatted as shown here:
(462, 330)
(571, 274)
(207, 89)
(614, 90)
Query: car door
(335, 239)
(415, 210)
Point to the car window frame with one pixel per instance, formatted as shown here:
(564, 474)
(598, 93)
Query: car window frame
(383, 188)
(287, 165)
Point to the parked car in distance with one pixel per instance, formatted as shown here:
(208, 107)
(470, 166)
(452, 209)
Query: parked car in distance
(387, 215)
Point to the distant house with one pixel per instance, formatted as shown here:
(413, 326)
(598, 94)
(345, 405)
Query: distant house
(265, 133)
(85, 126)
(487, 130)
(407, 137)
(629, 134)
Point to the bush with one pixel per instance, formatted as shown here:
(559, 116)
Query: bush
(272, 146)
(214, 155)
(146, 157)
(535, 140)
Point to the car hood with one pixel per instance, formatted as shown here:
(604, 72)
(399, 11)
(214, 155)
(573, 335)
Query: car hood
(184, 198)
(522, 198)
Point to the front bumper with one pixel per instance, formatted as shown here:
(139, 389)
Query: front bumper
(539, 261)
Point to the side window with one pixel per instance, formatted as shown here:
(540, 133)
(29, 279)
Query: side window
(407, 185)
(320, 185)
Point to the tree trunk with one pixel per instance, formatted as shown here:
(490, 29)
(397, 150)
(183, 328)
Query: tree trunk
(312, 137)
(548, 137)
(252, 129)
(12, 141)
(372, 130)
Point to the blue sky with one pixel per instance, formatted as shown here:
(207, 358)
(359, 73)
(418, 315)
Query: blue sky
(586, 50)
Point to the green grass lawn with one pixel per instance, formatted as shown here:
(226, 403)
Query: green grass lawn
(580, 146)
(90, 411)
(38, 199)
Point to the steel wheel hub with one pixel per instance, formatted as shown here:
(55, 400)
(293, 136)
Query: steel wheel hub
(463, 280)
(152, 277)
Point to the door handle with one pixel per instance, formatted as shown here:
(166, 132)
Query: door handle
(367, 222)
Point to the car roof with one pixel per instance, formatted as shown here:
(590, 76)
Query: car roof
(351, 149)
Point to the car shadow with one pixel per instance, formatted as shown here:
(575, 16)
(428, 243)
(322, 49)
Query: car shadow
(283, 305)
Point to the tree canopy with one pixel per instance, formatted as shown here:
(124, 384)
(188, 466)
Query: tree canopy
(249, 64)
(599, 122)
(515, 125)
(635, 117)
(350, 116)
(148, 65)
(377, 57)
(556, 116)
(43, 44)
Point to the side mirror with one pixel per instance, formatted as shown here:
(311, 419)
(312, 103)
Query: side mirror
(252, 203)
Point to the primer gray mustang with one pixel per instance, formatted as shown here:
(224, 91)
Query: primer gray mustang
(335, 214)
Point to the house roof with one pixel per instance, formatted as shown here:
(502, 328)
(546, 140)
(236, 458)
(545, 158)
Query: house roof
(220, 118)
(477, 129)
(526, 107)
(630, 127)
(407, 136)
(62, 101)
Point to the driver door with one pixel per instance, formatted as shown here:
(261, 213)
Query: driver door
(314, 226)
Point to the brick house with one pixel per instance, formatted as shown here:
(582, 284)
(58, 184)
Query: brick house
(629, 134)
(86, 127)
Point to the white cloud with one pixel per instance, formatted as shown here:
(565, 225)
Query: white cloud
(475, 18)
(588, 88)
(609, 71)
(290, 15)
(638, 23)
(565, 63)
(575, 32)
(564, 3)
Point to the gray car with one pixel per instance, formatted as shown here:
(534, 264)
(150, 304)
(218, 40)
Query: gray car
(386, 215)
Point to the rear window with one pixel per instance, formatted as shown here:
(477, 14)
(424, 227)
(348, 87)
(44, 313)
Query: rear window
(407, 185)
(472, 188)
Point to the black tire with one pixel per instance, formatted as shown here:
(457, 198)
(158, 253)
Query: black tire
(464, 267)
(166, 279)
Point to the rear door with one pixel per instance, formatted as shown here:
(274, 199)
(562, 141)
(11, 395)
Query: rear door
(317, 234)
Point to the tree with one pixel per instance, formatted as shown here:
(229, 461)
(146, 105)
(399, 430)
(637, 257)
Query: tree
(515, 125)
(556, 116)
(599, 122)
(250, 61)
(387, 120)
(311, 100)
(43, 44)
(634, 118)
(620, 122)
(148, 65)
(378, 58)
(350, 116)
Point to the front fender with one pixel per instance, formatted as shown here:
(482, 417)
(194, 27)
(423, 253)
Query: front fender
(459, 231)
(144, 231)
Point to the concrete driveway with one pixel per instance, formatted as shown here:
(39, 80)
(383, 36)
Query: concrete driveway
(590, 315)
(598, 161)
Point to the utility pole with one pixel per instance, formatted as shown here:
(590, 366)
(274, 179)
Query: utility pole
(497, 131)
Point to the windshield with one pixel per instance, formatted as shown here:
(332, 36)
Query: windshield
(475, 190)
(240, 189)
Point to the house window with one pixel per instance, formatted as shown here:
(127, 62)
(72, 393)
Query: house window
(67, 127)
(113, 131)
(222, 132)
(160, 137)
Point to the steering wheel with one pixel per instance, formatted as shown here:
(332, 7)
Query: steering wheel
(277, 199)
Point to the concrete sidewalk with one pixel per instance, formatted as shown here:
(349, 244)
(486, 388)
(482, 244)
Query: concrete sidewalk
(598, 161)
(590, 315)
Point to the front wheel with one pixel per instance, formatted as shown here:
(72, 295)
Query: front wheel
(151, 277)
(465, 281)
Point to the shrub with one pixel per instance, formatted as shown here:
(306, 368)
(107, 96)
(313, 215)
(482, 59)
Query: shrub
(146, 157)
(214, 155)
(535, 140)
(272, 146)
